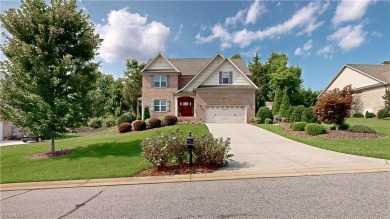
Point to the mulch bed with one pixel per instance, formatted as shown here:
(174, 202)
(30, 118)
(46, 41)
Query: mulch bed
(49, 154)
(177, 169)
(332, 134)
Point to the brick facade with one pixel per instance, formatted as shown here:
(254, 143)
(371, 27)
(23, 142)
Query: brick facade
(369, 100)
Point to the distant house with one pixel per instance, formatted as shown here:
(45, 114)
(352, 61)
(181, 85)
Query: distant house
(215, 90)
(6, 129)
(369, 83)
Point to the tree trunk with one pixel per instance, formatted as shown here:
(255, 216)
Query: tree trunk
(337, 127)
(52, 146)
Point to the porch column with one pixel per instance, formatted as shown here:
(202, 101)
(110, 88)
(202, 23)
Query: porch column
(176, 105)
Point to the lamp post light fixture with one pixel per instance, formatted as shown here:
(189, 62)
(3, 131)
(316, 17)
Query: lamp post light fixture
(190, 146)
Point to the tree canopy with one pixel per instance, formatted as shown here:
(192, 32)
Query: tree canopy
(50, 52)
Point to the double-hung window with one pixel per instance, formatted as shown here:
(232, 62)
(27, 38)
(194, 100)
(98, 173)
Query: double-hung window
(160, 105)
(160, 81)
(225, 77)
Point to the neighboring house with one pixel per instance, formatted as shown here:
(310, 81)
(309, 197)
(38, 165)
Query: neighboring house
(215, 90)
(369, 83)
(6, 129)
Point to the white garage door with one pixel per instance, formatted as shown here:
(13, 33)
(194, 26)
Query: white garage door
(225, 114)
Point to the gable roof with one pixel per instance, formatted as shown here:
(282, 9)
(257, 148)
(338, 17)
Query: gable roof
(379, 72)
(151, 61)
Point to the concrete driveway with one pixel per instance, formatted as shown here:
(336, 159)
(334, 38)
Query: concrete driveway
(256, 149)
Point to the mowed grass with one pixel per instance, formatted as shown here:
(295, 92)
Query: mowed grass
(104, 154)
(378, 148)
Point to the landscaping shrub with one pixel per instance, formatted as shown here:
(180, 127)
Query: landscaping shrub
(147, 123)
(283, 120)
(138, 125)
(308, 115)
(343, 126)
(170, 120)
(361, 129)
(109, 122)
(285, 105)
(277, 118)
(146, 113)
(268, 121)
(299, 126)
(255, 120)
(358, 115)
(125, 118)
(315, 129)
(177, 146)
(296, 115)
(154, 123)
(369, 115)
(383, 113)
(95, 123)
(155, 150)
(263, 113)
(124, 127)
(211, 151)
(289, 113)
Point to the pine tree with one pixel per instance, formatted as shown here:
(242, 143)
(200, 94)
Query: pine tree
(386, 98)
(146, 113)
(277, 102)
(284, 107)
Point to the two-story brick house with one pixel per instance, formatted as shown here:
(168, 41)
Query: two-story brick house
(215, 90)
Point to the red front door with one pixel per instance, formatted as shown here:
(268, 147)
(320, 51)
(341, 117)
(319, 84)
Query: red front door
(186, 106)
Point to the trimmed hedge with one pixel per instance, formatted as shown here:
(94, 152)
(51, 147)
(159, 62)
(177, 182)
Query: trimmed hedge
(170, 120)
(358, 115)
(154, 123)
(138, 125)
(343, 126)
(299, 126)
(383, 113)
(315, 129)
(369, 115)
(263, 113)
(361, 129)
(124, 127)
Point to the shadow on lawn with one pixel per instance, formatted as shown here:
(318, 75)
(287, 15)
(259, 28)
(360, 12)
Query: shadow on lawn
(101, 150)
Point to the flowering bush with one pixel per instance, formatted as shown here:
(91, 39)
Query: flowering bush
(211, 151)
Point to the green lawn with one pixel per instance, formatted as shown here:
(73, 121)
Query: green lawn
(379, 148)
(104, 154)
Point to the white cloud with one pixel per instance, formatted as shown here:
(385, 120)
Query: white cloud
(218, 31)
(233, 20)
(326, 51)
(376, 34)
(349, 10)
(129, 35)
(349, 37)
(250, 53)
(305, 50)
(254, 12)
(179, 32)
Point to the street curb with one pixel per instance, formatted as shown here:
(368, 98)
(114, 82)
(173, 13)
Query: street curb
(218, 175)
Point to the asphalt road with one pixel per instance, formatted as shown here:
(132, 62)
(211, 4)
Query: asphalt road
(327, 196)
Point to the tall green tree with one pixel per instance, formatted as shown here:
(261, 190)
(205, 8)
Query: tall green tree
(284, 107)
(50, 52)
(236, 56)
(101, 95)
(277, 102)
(116, 105)
(259, 77)
(133, 86)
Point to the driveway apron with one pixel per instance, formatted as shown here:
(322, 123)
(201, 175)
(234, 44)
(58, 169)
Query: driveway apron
(256, 149)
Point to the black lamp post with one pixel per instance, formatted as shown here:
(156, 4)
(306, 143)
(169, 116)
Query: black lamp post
(190, 146)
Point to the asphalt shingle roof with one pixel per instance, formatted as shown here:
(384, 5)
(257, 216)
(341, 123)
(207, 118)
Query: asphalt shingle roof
(380, 72)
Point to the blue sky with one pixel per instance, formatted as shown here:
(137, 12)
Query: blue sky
(318, 36)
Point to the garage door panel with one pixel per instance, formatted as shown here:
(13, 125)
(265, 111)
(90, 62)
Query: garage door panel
(225, 114)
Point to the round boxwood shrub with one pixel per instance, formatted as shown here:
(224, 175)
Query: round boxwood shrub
(299, 126)
(383, 113)
(361, 129)
(95, 123)
(154, 123)
(170, 120)
(315, 129)
(263, 113)
(138, 125)
(358, 115)
(369, 114)
(124, 127)
(268, 121)
(343, 126)
(125, 118)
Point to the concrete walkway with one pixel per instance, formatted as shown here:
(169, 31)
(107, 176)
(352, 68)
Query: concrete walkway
(256, 149)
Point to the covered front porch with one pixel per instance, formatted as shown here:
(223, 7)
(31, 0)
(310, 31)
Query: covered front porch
(185, 107)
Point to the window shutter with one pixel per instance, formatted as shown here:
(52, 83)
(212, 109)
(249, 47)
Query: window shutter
(230, 77)
(152, 80)
(168, 106)
(168, 80)
(151, 108)
(220, 77)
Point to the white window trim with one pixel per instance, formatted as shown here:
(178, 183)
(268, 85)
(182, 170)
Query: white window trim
(159, 81)
(227, 74)
(160, 105)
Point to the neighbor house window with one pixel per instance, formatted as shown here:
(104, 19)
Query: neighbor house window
(160, 105)
(225, 77)
(160, 81)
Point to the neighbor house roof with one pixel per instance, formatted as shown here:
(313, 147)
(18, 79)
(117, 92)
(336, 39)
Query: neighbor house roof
(192, 66)
(379, 72)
